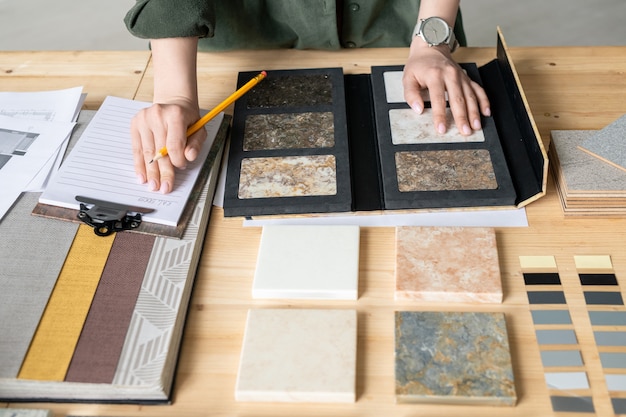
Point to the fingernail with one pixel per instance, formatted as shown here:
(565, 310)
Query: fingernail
(487, 111)
(152, 185)
(467, 130)
(441, 128)
(165, 187)
(417, 108)
(476, 124)
(141, 179)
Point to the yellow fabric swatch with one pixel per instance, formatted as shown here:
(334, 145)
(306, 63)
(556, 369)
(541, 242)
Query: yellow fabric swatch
(53, 345)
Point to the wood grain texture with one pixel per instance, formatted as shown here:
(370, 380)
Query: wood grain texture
(566, 88)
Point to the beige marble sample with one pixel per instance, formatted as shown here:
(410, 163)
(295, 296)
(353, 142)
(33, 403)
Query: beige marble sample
(394, 90)
(408, 127)
(308, 262)
(288, 176)
(445, 170)
(298, 355)
(447, 264)
(289, 131)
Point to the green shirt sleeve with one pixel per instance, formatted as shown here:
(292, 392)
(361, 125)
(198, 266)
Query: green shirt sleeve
(154, 19)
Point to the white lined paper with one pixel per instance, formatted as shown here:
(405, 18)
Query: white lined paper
(101, 167)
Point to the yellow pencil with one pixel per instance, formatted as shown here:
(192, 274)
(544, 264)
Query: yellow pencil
(220, 107)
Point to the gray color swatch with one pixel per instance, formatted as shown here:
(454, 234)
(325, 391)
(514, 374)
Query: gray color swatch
(546, 297)
(556, 337)
(572, 404)
(613, 360)
(551, 317)
(604, 298)
(608, 318)
(610, 338)
(615, 382)
(561, 358)
(619, 405)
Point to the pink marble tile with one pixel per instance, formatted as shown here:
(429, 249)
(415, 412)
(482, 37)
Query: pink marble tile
(447, 264)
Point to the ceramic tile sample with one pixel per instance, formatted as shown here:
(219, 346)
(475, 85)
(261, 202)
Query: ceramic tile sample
(453, 358)
(597, 279)
(408, 127)
(449, 264)
(610, 338)
(289, 131)
(603, 298)
(292, 355)
(288, 176)
(291, 90)
(619, 405)
(469, 169)
(313, 262)
(394, 91)
(608, 144)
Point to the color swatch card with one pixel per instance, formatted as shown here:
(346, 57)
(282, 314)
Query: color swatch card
(447, 264)
(292, 355)
(453, 358)
(421, 168)
(308, 262)
(289, 146)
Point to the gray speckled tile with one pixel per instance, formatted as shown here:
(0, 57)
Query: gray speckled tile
(453, 358)
(608, 143)
(581, 171)
(445, 170)
(289, 131)
(408, 127)
(288, 176)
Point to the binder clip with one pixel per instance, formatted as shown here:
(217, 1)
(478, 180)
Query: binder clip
(106, 217)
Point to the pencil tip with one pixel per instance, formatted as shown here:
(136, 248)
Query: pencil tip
(151, 161)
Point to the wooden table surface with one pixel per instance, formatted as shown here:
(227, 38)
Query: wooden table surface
(566, 87)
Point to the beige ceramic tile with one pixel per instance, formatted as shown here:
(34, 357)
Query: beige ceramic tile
(447, 264)
(593, 262)
(293, 355)
(537, 262)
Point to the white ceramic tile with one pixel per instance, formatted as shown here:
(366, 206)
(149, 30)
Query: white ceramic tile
(567, 380)
(395, 91)
(293, 355)
(308, 262)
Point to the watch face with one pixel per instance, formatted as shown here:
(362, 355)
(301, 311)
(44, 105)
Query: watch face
(435, 31)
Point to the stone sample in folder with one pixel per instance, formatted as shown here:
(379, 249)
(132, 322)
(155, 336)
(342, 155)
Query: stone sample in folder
(453, 358)
(447, 264)
(298, 355)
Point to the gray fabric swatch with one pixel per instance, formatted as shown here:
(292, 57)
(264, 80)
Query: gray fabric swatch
(31, 262)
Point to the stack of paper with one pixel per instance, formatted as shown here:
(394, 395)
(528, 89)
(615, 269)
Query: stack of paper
(588, 184)
(34, 131)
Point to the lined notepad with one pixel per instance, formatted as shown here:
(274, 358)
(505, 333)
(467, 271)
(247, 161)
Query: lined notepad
(101, 167)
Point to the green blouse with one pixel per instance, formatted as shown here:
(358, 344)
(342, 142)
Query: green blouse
(271, 24)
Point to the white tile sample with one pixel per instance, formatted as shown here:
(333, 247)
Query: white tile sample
(616, 382)
(298, 355)
(308, 262)
(408, 127)
(567, 380)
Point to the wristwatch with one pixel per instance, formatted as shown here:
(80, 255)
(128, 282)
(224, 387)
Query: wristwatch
(435, 31)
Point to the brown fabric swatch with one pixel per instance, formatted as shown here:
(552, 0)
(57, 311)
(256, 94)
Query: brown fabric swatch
(100, 345)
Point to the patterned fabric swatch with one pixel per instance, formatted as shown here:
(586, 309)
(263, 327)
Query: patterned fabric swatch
(54, 342)
(31, 260)
(101, 341)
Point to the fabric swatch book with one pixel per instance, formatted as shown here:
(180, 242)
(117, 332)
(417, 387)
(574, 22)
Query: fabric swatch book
(87, 318)
(100, 167)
